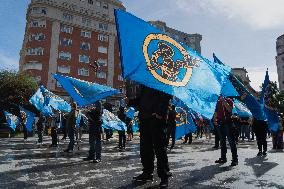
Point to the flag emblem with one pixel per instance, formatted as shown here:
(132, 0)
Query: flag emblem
(181, 116)
(167, 60)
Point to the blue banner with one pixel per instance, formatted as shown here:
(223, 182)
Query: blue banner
(130, 112)
(152, 58)
(41, 103)
(135, 124)
(30, 117)
(12, 120)
(110, 121)
(241, 109)
(84, 92)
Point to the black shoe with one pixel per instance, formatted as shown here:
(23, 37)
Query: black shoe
(215, 147)
(264, 154)
(234, 163)
(164, 183)
(259, 154)
(221, 161)
(87, 159)
(144, 177)
(97, 161)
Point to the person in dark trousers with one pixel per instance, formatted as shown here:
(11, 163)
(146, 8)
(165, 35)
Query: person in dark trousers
(153, 111)
(64, 127)
(95, 130)
(40, 127)
(217, 137)
(223, 117)
(121, 134)
(71, 126)
(188, 138)
(171, 126)
(54, 127)
(260, 128)
(23, 120)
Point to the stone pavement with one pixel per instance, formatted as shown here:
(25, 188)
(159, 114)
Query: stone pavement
(26, 165)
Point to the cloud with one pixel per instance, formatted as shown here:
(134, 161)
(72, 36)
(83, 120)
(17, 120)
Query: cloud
(258, 14)
(7, 62)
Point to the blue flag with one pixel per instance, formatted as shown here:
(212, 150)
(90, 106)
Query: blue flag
(110, 121)
(12, 120)
(83, 92)
(130, 113)
(184, 122)
(241, 109)
(30, 117)
(135, 124)
(40, 102)
(152, 58)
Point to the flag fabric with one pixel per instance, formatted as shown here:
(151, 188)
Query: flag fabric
(110, 121)
(184, 122)
(152, 58)
(12, 120)
(241, 109)
(84, 92)
(30, 118)
(135, 124)
(40, 102)
(130, 112)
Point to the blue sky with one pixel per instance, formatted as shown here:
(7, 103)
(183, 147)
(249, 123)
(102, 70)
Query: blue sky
(241, 32)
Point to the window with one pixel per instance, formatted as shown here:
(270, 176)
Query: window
(39, 10)
(84, 59)
(102, 37)
(66, 42)
(35, 51)
(63, 69)
(102, 49)
(105, 5)
(65, 56)
(68, 17)
(38, 24)
(103, 26)
(85, 46)
(86, 21)
(66, 29)
(101, 75)
(91, 2)
(98, 3)
(86, 34)
(37, 37)
(120, 78)
(102, 62)
(83, 72)
(32, 65)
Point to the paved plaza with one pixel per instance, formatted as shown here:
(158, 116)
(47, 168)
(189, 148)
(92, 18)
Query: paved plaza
(27, 165)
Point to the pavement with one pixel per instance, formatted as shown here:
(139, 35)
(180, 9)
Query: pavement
(28, 165)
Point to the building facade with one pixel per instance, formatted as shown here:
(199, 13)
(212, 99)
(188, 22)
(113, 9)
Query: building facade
(66, 36)
(280, 61)
(190, 40)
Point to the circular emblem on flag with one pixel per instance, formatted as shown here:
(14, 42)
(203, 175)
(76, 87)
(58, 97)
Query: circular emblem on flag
(181, 116)
(167, 60)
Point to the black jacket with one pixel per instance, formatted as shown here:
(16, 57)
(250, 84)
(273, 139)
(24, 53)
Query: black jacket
(95, 121)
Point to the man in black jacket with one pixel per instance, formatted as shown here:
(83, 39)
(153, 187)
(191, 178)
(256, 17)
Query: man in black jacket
(153, 112)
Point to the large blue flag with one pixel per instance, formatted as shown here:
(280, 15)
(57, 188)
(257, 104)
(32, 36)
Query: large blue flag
(84, 92)
(110, 121)
(241, 109)
(40, 102)
(152, 58)
(184, 122)
(30, 117)
(12, 120)
(130, 112)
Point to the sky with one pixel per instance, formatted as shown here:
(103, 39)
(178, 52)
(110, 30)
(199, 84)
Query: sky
(242, 33)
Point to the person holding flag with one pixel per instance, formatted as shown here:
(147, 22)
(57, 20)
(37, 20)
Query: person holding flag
(23, 120)
(171, 126)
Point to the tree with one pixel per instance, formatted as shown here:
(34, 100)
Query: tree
(16, 89)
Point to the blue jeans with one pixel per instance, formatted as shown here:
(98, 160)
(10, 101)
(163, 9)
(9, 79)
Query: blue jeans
(244, 132)
(226, 131)
(95, 146)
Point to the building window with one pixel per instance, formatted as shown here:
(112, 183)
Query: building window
(37, 37)
(98, 3)
(86, 21)
(85, 46)
(102, 49)
(103, 26)
(66, 29)
(105, 5)
(32, 65)
(38, 24)
(101, 75)
(86, 34)
(39, 10)
(66, 42)
(91, 2)
(102, 62)
(64, 69)
(102, 37)
(83, 72)
(120, 78)
(35, 51)
(65, 56)
(84, 59)
(68, 17)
